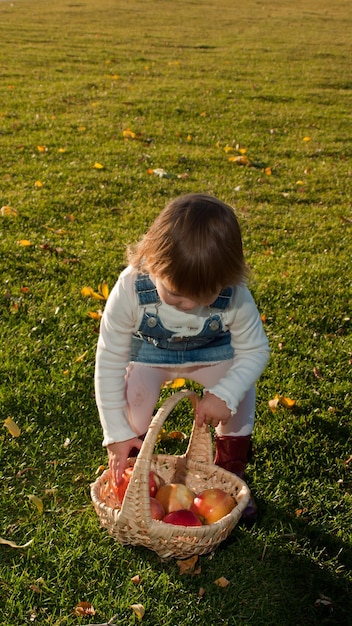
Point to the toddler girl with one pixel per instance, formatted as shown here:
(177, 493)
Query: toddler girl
(181, 308)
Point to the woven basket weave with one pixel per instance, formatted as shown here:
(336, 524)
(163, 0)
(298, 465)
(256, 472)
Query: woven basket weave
(132, 523)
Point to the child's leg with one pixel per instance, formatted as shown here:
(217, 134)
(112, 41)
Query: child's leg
(243, 421)
(142, 391)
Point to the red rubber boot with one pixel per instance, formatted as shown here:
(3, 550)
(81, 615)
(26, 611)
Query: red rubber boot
(233, 454)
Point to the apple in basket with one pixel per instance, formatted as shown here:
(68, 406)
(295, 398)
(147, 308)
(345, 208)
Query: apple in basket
(175, 496)
(212, 504)
(182, 517)
(157, 510)
(155, 482)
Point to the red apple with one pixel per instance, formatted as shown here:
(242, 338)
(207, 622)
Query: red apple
(175, 496)
(182, 517)
(123, 484)
(157, 510)
(212, 504)
(155, 482)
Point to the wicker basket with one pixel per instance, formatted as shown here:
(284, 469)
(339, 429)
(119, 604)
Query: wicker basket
(132, 522)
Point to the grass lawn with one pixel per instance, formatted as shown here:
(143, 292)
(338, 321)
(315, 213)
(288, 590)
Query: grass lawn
(108, 109)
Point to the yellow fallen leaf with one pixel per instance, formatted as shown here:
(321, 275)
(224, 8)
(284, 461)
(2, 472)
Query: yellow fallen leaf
(12, 427)
(177, 382)
(81, 357)
(242, 150)
(307, 139)
(37, 502)
(86, 291)
(240, 160)
(104, 289)
(95, 315)
(287, 402)
(268, 171)
(189, 137)
(98, 166)
(138, 609)
(128, 134)
(41, 148)
(221, 582)
(12, 544)
(8, 210)
(24, 242)
(62, 150)
(228, 148)
(38, 184)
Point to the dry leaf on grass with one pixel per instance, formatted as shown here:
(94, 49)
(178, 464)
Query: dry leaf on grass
(186, 566)
(222, 582)
(12, 544)
(138, 609)
(84, 608)
(12, 427)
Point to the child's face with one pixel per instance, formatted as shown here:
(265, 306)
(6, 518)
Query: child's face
(183, 303)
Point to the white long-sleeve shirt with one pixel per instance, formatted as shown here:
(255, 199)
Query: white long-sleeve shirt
(122, 317)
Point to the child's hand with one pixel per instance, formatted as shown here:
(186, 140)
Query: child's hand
(118, 454)
(212, 410)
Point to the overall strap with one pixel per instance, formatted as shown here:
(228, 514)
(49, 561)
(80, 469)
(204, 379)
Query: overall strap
(146, 290)
(223, 299)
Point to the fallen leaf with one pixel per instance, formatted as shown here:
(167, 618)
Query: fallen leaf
(136, 579)
(159, 172)
(81, 357)
(128, 134)
(12, 427)
(306, 139)
(37, 502)
(324, 601)
(177, 435)
(86, 291)
(186, 566)
(7, 210)
(138, 609)
(84, 608)
(12, 544)
(285, 402)
(222, 582)
(104, 289)
(201, 592)
(95, 315)
(38, 184)
(347, 220)
(98, 166)
(317, 373)
(24, 242)
(41, 148)
(240, 160)
(177, 382)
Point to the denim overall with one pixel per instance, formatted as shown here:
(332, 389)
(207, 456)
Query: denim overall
(154, 344)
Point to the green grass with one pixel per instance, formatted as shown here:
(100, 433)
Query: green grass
(189, 78)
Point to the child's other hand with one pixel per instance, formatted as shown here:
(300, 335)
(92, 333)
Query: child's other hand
(118, 454)
(212, 410)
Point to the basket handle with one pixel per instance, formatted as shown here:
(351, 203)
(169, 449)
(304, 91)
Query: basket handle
(139, 482)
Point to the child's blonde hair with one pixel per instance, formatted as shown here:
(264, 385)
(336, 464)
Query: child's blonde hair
(195, 244)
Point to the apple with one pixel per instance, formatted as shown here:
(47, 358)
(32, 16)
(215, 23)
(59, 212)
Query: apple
(123, 484)
(157, 510)
(175, 496)
(212, 504)
(182, 517)
(155, 482)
